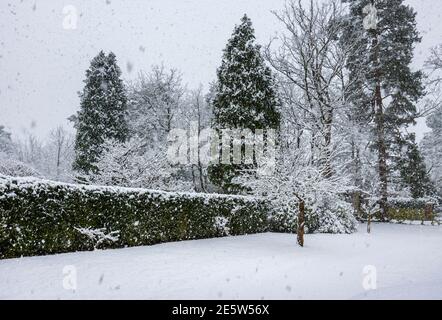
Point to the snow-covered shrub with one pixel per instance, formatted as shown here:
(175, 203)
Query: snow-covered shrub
(41, 217)
(99, 236)
(222, 225)
(327, 219)
(15, 168)
(333, 218)
(134, 164)
(295, 178)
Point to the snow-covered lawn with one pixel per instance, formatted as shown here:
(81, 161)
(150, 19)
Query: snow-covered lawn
(408, 262)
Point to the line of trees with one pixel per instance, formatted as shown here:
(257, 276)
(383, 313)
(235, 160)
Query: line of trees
(30, 156)
(340, 92)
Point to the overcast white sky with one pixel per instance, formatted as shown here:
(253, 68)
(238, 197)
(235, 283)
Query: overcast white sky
(42, 65)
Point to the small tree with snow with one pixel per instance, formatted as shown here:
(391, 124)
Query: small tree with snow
(136, 164)
(298, 185)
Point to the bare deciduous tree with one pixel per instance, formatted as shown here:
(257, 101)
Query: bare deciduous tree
(311, 64)
(197, 114)
(154, 101)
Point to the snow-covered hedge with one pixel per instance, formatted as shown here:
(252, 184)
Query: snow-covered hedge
(422, 209)
(404, 209)
(39, 217)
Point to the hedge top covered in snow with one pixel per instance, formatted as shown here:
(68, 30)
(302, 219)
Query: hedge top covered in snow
(39, 217)
(36, 184)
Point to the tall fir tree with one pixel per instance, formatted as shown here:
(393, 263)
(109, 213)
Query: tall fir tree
(103, 112)
(245, 96)
(413, 170)
(389, 88)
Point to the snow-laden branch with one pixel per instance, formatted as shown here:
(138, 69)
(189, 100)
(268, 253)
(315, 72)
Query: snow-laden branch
(99, 236)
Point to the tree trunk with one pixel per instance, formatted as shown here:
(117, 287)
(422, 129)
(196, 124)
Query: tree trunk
(200, 165)
(58, 160)
(301, 222)
(382, 156)
(328, 172)
(369, 223)
(357, 204)
(192, 169)
(357, 196)
(380, 132)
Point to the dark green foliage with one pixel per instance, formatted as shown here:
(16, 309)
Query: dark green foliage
(422, 209)
(103, 112)
(398, 35)
(40, 217)
(401, 209)
(413, 171)
(409, 214)
(245, 96)
(222, 175)
(381, 68)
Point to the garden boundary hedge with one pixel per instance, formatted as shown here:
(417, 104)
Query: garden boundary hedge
(39, 217)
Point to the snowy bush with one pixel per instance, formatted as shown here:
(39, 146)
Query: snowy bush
(99, 236)
(40, 217)
(221, 225)
(296, 179)
(336, 218)
(134, 164)
(327, 219)
(16, 168)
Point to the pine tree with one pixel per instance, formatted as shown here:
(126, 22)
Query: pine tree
(103, 112)
(384, 55)
(245, 95)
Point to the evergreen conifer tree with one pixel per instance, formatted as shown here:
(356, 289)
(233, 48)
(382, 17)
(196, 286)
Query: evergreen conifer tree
(103, 112)
(390, 88)
(413, 171)
(245, 96)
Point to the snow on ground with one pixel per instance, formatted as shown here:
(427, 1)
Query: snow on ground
(408, 262)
